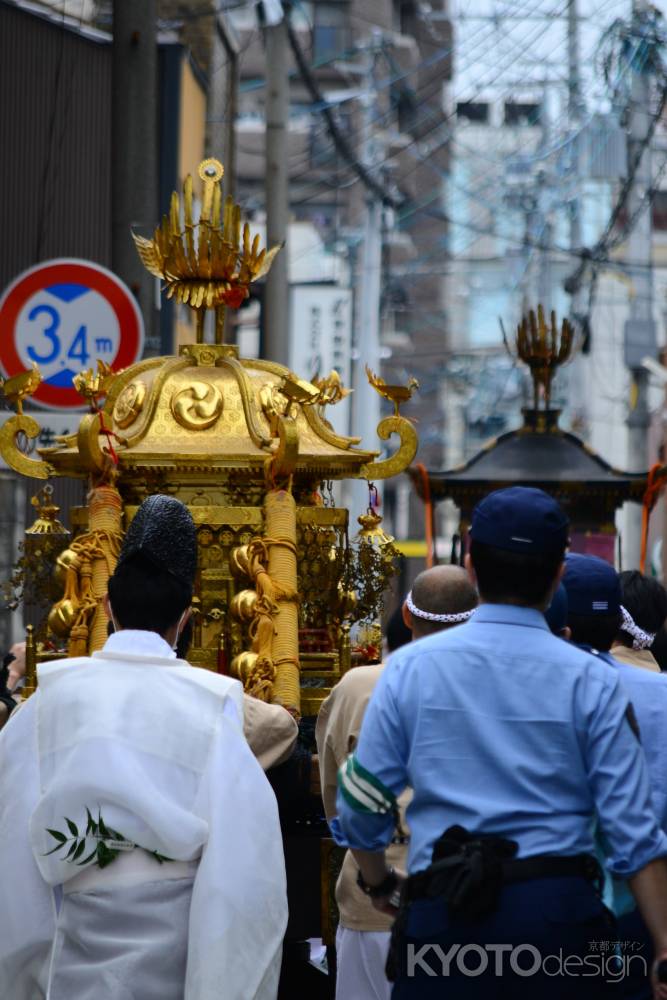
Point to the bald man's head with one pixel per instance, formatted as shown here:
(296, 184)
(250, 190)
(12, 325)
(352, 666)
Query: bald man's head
(442, 590)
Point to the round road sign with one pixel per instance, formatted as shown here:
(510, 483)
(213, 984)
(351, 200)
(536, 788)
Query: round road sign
(64, 315)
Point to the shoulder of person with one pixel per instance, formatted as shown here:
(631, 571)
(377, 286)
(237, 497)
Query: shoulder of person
(357, 680)
(342, 710)
(596, 678)
(64, 667)
(270, 730)
(635, 675)
(23, 715)
(217, 684)
(357, 683)
(258, 712)
(433, 645)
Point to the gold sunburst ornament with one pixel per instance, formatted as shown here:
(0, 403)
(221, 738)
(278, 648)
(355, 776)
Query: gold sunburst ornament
(207, 264)
(543, 348)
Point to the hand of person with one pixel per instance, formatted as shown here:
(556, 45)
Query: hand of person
(389, 904)
(17, 666)
(659, 976)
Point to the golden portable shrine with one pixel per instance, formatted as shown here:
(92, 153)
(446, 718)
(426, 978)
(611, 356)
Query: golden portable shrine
(246, 444)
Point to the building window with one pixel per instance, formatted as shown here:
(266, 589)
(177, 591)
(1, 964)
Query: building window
(521, 114)
(473, 111)
(331, 31)
(659, 210)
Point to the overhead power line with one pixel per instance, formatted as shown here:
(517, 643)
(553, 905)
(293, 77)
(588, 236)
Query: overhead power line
(340, 140)
(600, 251)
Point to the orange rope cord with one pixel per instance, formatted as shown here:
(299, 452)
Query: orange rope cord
(654, 485)
(428, 514)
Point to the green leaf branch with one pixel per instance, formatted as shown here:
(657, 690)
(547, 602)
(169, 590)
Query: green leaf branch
(108, 843)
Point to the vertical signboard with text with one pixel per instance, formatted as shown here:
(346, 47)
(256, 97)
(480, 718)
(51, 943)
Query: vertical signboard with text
(321, 340)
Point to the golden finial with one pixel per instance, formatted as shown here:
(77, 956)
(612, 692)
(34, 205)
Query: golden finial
(397, 394)
(298, 390)
(46, 522)
(543, 348)
(371, 529)
(19, 386)
(331, 389)
(30, 683)
(93, 384)
(207, 264)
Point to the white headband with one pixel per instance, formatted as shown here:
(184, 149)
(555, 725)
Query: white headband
(640, 638)
(429, 616)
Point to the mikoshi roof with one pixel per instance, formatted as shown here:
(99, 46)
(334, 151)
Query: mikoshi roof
(548, 458)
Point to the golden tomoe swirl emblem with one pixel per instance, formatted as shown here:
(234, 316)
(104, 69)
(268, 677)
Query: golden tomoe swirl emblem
(129, 404)
(197, 406)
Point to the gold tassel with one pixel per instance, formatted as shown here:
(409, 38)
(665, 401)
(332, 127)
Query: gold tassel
(88, 575)
(275, 627)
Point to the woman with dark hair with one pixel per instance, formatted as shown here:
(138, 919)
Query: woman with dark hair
(644, 612)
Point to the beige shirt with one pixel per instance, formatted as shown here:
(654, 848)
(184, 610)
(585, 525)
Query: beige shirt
(270, 730)
(635, 657)
(337, 730)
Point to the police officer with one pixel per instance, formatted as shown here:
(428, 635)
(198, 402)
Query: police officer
(441, 597)
(511, 740)
(595, 615)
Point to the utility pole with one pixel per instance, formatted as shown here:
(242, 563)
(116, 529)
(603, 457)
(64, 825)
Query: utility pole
(544, 284)
(222, 112)
(545, 288)
(134, 157)
(574, 109)
(576, 380)
(640, 329)
(366, 403)
(276, 299)
(223, 100)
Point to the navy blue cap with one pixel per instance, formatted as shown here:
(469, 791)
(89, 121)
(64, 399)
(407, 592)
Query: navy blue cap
(520, 519)
(593, 586)
(556, 613)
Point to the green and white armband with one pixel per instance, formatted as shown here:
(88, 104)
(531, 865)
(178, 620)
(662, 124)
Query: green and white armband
(362, 791)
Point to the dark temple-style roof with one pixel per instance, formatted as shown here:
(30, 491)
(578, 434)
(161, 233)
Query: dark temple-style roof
(540, 454)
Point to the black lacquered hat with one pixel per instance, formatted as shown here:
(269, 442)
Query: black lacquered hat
(163, 531)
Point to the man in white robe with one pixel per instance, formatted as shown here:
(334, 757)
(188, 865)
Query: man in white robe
(139, 838)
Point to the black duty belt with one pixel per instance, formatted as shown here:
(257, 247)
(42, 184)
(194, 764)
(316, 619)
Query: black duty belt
(427, 885)
(468, 872)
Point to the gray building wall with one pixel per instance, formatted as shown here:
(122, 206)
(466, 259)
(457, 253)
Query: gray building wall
(56, 143)
(55, 87)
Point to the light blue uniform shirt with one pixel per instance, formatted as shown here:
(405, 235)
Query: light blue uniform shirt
(501, 727)
(648, 693)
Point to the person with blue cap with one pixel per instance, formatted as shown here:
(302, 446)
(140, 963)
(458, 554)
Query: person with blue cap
(512, 741)
(595, 615)
(556, 613)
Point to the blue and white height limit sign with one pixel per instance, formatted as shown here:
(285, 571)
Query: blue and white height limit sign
(64, 315)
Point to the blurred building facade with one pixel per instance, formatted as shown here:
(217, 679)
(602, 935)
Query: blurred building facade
(510, 197)
(395, 57)
(55, 119)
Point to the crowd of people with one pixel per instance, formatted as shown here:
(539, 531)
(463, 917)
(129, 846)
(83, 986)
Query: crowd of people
(499, 783)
